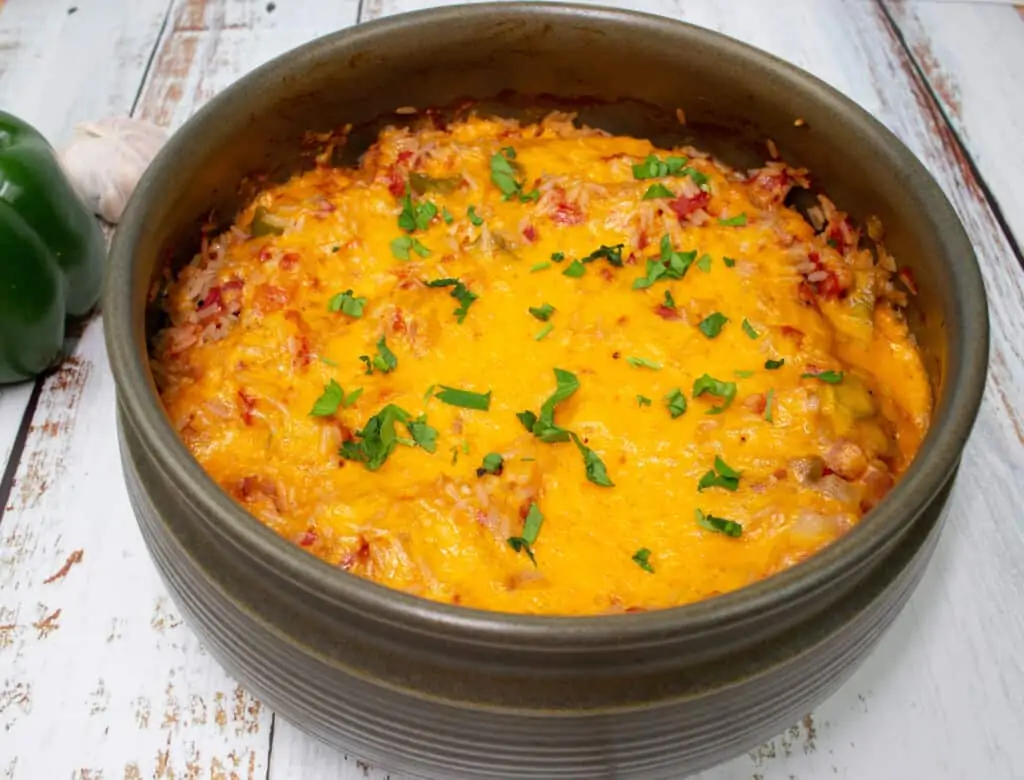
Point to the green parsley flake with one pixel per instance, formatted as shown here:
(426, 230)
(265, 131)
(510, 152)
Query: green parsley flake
(460, 292)
(749, 329)
(613, 254)
(505, 173)
(493, 463)
(541, 334)
(415, 216)
(643, 400)
(539, 266)
(653, 168)
(464, 398)
(558, 256)
(401, 246)
(704, 263)
(670, 265)
(772, 365)
(543, 425)
(676, 403)
(737, 221)
(639, 362)
(768, 401)
(828, 377)
(743, 373)
(378, 438)
(724, 390)
(471, 213)
(542, 312)
(670, 302)
(384, 361)
(446, 215)
(722, 475)
(729, 262)
(595, 468)
(575, 269)
(656, 191)
(718, 524)
(712, 325)
(531, 530)
(642, 558)
(346, 303)
(327, 404)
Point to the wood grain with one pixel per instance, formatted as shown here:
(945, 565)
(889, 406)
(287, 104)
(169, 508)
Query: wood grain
(973, 58)
(943, 696)
(98, 675)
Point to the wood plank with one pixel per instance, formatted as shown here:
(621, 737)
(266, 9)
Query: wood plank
(973, 58)
(98, 675)
(943, 695)
(55, 70)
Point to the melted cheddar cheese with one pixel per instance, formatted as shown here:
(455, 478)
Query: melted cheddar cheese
(306, 355)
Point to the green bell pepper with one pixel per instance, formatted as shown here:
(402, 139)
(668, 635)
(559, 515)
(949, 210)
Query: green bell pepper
(52, 253)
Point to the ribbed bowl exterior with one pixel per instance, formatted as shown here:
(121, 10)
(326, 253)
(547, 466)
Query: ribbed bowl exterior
(433, 690)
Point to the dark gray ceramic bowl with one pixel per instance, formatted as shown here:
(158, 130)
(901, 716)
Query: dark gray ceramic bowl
(436, 690)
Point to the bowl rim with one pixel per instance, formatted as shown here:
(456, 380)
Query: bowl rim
(937, 458)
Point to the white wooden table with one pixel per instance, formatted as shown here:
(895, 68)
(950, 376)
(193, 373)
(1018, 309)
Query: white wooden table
(99, 678)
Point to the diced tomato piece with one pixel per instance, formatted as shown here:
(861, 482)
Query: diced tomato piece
(567, 214)
(667, 312)
(684, 206)
(247, 404)
(793, 333)
(307, 539)
(530, 233)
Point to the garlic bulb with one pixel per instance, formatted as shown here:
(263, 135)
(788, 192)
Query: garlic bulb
(105, 160)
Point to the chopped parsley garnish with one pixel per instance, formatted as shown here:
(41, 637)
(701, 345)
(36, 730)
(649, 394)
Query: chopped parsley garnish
(473, 217)
(729, 262)
(464, 398)
(542, 312)
(493, 463)
(575, 269)
(539, 266)
(384, 361)
(461, 293)
(771, 365)
(401, 246)
(722, 475)
(531, 530)
(504, 174)
(724, 390)
(712, 325)
(378, 438)
(329, 401)
(642, 558)
(613, 254)
(543, 332)
(415, 216)
(543, 425)
(749, 329)
(639, 362)
(656, 191)
(828, 377)
(643, 400)
(676, 403)
(704, 263)
(718, 524)
(743, 373)
(558, 256)
(348, 304)
(593, 464)
(768, 401)
(670, 265)
(429, 394)
(737, 221)
(653, 168)
(446, 215)
(670, 302)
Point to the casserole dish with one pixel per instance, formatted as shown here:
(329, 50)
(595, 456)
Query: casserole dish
(432, 689)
